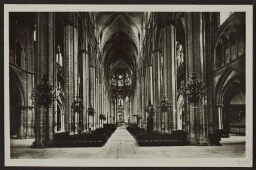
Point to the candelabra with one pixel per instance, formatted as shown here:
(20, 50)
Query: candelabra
(151, 111)
(102, 117)
(194, 93)
(77, 107)
(90, 113)
(43, 94)
(165, 105)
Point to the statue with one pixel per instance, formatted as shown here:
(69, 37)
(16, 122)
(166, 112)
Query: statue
(179, 53)
(59, 56)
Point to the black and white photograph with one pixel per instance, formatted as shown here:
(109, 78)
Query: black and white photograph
(128, 85)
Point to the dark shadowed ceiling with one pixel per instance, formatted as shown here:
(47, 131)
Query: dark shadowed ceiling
(119, 40)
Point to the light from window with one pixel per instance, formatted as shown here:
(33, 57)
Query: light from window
(35, 34)
(224, 16)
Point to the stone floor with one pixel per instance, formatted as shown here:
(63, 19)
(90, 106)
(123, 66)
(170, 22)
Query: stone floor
(121, 145)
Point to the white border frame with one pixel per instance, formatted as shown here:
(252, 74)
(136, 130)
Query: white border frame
(181, 162)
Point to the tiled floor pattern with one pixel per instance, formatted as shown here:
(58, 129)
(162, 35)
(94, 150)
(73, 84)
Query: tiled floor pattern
(122, 145)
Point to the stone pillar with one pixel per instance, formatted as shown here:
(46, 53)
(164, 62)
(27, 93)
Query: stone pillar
(165, 70)
(130, 111)
(84, 85)
(111, 110)
(22, 122)
(154, 70)
(87, 82)
(195, 57)
(75, 75)
(151, 83)
(92, 89)
(171, 76)
(220, 116)
(44, 66)
(138, 93)
(97, 123)
(146, 94)
(116, 108)
(143, 95)
(52, 74)
(28, 60)
(70, 67)
(210, 29)
(101, 95)
(158, 89)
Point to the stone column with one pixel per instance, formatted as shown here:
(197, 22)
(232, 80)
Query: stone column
(116, 108)
(101, 94)
(96, 96)
(29, 64)
(146, 94)
(139, 94)
(195, 57)
(52, 74)
(87, 81)
(43, 66)
(143, 95)
(22, 121)
(171, 76)
(111, 110)
(70, 67)
(220, 116)
(130, 111)
(75, 75)
(84, 85)
(91, 87)
(154, 70)
(210, 29)
(158, 88)
(151, 83)
(165, 76)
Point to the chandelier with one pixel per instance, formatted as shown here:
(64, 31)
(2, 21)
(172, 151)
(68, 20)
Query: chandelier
(194, 91)
(91, 110)
(43, 94)
(102, 117)
(165, 104)
(150, 110)
(77, 104)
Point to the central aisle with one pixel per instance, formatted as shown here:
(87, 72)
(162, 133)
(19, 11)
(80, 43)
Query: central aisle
(121, 138)
(121, 144)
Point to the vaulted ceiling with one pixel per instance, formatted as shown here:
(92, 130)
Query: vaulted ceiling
(119, 40)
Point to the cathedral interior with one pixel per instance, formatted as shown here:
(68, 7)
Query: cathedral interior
(164, 71)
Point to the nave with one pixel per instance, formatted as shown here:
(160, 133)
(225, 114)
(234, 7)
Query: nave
(122, 145)
(73, 75)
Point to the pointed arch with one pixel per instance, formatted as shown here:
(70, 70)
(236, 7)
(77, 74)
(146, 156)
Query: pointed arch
(180, 113)
(228, 78)
(17, 102)
(60, 114)
(15, 82)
